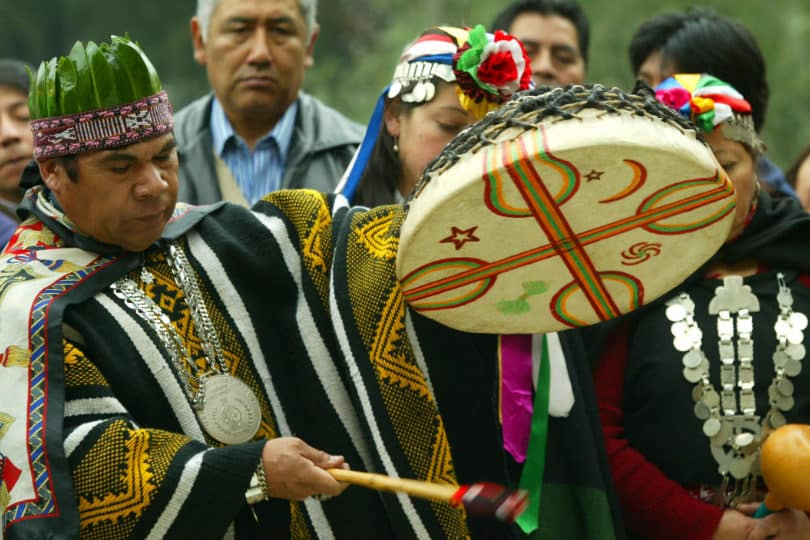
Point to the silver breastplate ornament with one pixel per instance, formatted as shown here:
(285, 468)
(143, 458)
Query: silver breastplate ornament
(728, 412)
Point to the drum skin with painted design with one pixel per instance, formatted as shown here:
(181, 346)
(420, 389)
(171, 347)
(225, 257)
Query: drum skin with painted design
(552, 214)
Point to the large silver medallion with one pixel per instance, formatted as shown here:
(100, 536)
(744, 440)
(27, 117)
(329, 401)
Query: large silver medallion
(231, 413)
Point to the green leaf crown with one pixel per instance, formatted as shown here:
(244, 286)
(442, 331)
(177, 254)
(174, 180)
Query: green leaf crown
(92, 77)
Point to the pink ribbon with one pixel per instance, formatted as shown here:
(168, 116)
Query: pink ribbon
(516, 393)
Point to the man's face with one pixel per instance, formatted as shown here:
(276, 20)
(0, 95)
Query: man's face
(256, 52)
(552, 43)
(16, 141)
(124, 196)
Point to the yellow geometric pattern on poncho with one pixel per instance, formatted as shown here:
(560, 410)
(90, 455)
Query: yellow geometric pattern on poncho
(79, 370)
(380, 319)
(312, 220)
(110, 504)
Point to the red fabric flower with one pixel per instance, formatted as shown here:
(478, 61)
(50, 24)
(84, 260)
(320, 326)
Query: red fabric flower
(498, 69)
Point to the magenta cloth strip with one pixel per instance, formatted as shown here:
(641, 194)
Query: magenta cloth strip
(104, 128)
(516, 393)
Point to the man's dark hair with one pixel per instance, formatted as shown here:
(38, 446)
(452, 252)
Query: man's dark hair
(700, 40)
(568, 9)
(71, 166)
(13, 74)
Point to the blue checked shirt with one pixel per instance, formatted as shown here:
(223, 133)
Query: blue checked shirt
(260, 171)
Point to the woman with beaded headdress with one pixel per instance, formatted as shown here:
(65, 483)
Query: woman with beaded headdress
(689, 387)
(446, 79)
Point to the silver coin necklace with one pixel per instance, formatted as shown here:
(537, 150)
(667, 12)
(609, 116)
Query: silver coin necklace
(729, 416)
(226, 407)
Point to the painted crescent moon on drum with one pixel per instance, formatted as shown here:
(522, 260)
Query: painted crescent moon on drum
(639, 177)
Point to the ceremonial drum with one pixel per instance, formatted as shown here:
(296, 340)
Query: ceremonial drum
(562, 209)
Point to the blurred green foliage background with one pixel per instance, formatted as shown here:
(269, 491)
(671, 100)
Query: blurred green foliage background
(360, 41)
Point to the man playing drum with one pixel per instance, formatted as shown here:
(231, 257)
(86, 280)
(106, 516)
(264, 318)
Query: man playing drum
(158, 358)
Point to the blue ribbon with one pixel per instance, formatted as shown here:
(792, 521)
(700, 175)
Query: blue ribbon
(366, 147)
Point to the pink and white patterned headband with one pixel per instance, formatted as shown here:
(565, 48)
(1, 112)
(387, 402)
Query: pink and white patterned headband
(102, 129)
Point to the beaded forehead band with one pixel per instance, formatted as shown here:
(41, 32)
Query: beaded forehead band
(427, 58)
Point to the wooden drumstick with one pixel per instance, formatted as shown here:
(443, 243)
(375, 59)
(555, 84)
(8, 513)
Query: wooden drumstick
(481, 499)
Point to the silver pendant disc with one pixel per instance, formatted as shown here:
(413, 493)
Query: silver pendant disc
(231, 412)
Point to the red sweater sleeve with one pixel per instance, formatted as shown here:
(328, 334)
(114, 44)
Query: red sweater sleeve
(653, 505)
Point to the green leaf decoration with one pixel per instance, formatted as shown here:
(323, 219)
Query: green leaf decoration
(120, 72)
(68, 88)
(92, 77)
(51, 108)
(513, 307)
(91, 51)
(141, 74)
(532, 288)
(154, 78)
(102, 76)
(37, 97)
(32, 83)
(85, 92)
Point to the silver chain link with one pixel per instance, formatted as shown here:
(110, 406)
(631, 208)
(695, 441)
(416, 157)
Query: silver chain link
(135, 299)
(187, 280)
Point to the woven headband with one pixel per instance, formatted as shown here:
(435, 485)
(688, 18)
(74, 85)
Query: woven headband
(103, 129)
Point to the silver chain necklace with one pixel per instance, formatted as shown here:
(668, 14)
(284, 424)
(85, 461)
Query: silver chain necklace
(226, 407)
(729, 416)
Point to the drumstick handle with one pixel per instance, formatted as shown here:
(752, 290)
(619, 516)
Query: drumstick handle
(380, 482)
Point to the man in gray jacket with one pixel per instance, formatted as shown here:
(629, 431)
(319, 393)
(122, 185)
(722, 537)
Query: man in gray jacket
(257, 132)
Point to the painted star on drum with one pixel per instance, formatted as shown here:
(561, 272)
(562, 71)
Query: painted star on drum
(459, 237)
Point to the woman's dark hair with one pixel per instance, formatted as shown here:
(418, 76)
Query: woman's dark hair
(380, 181)
(652, 34)
(702, 41)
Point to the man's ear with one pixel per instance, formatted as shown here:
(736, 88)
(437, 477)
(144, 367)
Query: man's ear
(52, 174)
(309, 61)
(391, 116)
(198, 41)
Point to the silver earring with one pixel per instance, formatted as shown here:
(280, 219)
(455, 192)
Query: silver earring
(396, 145)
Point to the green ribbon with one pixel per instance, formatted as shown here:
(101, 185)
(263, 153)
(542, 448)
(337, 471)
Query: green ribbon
(531, 479)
